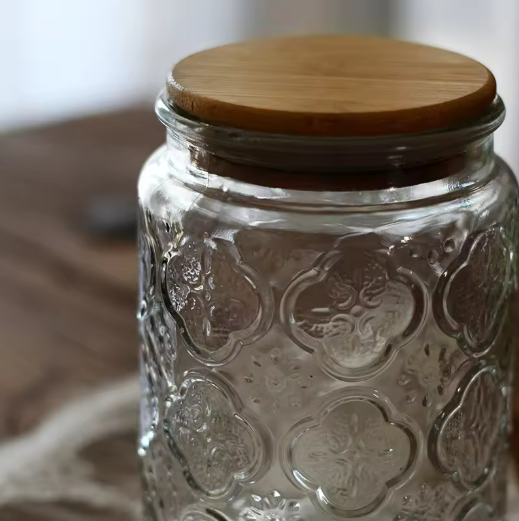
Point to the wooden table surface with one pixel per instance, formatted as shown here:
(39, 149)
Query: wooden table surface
(67, 300)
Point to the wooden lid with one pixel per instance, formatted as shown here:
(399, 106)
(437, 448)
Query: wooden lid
(332, 86)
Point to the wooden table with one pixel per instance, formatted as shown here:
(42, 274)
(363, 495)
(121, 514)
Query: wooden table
(67, 301)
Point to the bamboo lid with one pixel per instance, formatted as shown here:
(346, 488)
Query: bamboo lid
(332, 86)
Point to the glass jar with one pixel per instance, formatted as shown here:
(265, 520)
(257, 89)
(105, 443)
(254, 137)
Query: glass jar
(325, 324)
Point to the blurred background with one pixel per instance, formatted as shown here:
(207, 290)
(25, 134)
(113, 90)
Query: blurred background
(61, 59)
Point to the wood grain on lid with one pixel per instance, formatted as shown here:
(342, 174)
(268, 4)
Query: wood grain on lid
(332, 86)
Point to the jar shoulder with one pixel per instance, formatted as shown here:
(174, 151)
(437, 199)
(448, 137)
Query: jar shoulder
(210, 202)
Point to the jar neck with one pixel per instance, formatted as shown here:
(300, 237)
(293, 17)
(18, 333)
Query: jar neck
(356, 173)
(208, 157)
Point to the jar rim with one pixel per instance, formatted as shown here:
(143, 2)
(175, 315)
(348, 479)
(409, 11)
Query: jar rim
(226, 139)
(334, 164)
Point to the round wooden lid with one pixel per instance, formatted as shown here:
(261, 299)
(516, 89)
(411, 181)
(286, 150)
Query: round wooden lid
(332, 86)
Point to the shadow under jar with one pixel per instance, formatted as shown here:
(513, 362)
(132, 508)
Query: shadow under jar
(327, 254)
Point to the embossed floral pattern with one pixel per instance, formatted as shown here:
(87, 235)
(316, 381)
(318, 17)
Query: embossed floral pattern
(150, 362)
(149, 403)
(470, 295)
(430, 253)
(432, 366)
(280, 255)
(465, 434)
(276, 381)
(151, 383)
(351, 455)
(218, 302)
(157, 368)
(216, 445)
(158, 334)
(272, 507)
(429, 503)
(162, 493)
(347, 312)
(147, 268)
(351, 312)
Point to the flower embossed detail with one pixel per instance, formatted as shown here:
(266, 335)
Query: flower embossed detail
(218, 302)
(149, 399)
(429, 503)
(352, 454)
(272, 507)
(157, 365)
(277, 381)
(465, 435)
(217, 446)
(469, 298)
(431, 366)
(352, 313)
(164, 490)
(147, 268)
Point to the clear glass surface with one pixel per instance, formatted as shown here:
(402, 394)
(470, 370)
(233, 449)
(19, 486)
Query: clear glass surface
(325, 354)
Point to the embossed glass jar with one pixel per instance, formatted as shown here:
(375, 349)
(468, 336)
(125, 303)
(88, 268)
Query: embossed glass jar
(324, 323)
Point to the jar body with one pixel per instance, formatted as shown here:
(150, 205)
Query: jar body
(314, 360)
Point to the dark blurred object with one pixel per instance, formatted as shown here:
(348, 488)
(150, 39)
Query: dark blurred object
(111, 217)
(67, 303)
